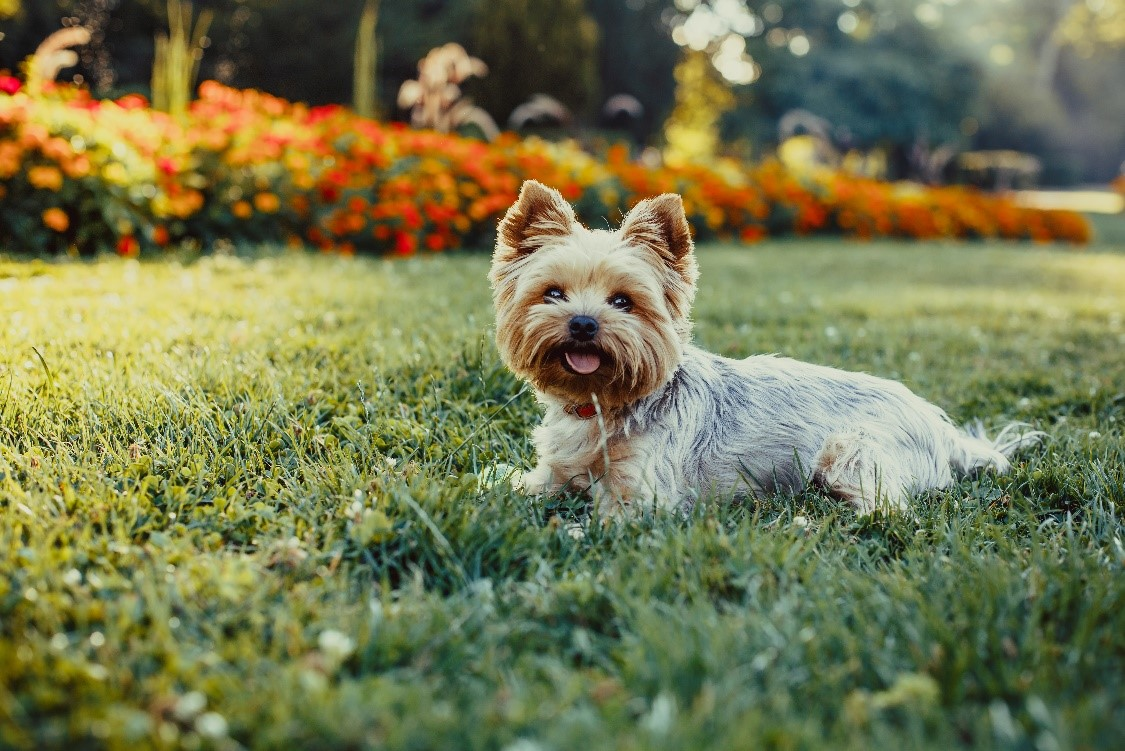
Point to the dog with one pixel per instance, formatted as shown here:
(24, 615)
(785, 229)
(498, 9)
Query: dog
(599, 323)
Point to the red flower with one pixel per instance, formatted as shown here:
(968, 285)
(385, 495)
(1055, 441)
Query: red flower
(128, 246)
(132, 102)
(9, 84)
(405, 244)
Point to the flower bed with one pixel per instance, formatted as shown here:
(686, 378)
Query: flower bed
(82, 175)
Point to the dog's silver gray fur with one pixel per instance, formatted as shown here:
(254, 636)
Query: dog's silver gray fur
(766, 424)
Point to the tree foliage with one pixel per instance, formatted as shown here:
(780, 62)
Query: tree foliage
(1052, 74)
(692, 131)
(1092, 24)
(891, 84)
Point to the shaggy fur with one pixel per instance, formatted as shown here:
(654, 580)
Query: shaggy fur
(598, 322)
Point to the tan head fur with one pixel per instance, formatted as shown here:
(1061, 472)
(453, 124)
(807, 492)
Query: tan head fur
(583, 313)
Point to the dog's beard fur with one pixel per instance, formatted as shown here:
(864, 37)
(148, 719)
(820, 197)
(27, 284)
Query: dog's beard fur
(541, 246)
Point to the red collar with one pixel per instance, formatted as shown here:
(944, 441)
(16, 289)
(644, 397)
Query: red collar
(581, 411)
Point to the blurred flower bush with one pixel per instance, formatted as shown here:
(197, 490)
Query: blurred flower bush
(81, 176)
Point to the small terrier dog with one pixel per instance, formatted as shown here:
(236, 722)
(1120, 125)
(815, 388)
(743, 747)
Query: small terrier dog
(599, 323)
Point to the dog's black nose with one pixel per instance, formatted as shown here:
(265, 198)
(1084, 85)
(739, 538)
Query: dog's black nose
(583, 328)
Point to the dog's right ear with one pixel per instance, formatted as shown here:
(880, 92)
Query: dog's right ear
(539, 214)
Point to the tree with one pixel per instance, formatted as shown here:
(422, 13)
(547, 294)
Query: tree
(692, 132)
(637, 56)
(535, 47)
(875, 76)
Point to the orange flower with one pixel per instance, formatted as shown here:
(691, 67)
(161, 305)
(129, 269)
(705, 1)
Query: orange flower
(241, 209)
(56, 219)
(45, 178)
(10, 154)
(267, 203)
(354, 222)
(34, 136)
(56, 149)
(77, 166)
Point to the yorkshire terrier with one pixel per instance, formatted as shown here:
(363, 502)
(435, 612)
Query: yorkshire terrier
(598, 322)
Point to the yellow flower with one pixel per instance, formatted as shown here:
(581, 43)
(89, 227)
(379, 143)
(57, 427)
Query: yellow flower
(45, 178)
(714, 217)
(115, 173)
(56, 219)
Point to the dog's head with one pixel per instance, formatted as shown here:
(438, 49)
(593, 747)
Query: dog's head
(584, 312)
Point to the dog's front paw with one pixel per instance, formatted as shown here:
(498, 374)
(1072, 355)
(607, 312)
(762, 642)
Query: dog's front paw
(533, 482)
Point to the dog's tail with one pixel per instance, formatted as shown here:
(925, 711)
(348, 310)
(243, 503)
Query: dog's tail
(975, 450)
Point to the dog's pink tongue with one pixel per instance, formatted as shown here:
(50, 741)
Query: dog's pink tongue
(583, 362)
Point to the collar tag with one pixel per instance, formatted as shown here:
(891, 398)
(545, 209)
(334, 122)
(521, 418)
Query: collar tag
(582, 411)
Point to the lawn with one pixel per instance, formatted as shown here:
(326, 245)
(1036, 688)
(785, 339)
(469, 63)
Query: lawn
(239, 507)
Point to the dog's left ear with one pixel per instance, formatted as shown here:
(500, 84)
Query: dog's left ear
(538, 215)
(661, 224)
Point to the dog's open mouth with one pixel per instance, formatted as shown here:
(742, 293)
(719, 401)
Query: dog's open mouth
(582, 361)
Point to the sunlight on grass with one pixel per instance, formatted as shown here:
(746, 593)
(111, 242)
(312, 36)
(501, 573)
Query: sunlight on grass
(1086, 201)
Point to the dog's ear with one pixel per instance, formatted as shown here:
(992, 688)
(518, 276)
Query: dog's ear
(539, 214)
(661, 224)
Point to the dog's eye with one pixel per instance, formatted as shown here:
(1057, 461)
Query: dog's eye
(554, 293)
(621, 302)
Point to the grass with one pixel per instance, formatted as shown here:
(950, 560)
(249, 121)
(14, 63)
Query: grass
(239, 508)
(1109, 229)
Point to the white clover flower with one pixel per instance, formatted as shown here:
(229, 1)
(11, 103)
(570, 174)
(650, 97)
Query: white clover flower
(211, 725)
(663, 713)
(335, 645)
(189, 705)
(492, 475)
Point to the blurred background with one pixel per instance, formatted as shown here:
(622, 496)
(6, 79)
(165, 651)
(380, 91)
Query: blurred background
(1004, 93)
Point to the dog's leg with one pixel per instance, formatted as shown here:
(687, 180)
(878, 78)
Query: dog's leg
(633, 484)
(535, 481)
(852, 467)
